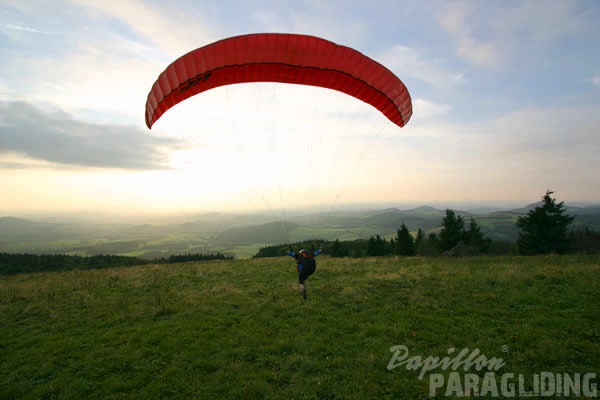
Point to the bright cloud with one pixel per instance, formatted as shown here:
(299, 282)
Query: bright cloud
(22, 28)
(323, 22)
(426, 109)
(174, 31)
(410, 63)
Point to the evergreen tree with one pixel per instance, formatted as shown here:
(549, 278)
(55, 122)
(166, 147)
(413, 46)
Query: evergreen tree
(376, 246)
(392, 247)
(419, 239)
(371, 247)
(339, 249)
(544, 229)
(379, 246)
(585, 240)
(404, 242)
(336, 248)
(475, 239)
(453, 228)
(428, 246)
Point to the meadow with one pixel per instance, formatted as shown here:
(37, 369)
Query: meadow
(239, 329)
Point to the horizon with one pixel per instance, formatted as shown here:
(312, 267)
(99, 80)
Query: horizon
(277, 214)
(485, 129)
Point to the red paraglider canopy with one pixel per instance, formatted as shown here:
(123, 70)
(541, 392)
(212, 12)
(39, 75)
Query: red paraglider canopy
(285, 58)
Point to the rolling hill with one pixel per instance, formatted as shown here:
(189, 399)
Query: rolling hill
(242, 233)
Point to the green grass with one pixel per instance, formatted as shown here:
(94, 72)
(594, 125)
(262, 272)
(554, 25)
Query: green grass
(239, 329)
(242, 251)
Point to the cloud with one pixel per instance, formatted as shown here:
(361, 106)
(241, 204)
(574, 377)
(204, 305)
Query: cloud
(173, 31)
(319, 20)
(14, 160)
(595, 80)
(55, 137)
(426, 109)
(109, 74)
(407, 62)
(455, 21)
(526, 151)
(13, 165)
(491, 36)
(22, 28)
(533, 137)
(563, 132)
(525, 22)
(515, 155)
(105, 61)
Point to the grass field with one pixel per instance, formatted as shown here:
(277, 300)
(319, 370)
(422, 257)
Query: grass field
(239, 329)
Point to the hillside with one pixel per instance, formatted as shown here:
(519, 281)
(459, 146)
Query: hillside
(271, 232)
(239, 329)
(17, 229)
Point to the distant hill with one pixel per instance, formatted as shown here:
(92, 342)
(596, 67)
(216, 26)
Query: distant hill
(221, 231)
(501, 224)
(413, 219)
(577, 210)
(525, 210)
(426, 211)
(271, 232)
(496, 225)
(14, 230)
(588, 216)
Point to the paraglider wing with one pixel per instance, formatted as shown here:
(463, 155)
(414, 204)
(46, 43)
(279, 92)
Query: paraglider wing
(284, 58)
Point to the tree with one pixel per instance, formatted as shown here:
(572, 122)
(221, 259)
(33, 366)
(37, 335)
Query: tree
(376, 246)
(428, 246)
(381, 245)
(452, 232)
(405, 243)
(585, 240)
(391, 247)
(419, 239)
(371, 247)
(339, 249)
(544, 229)
(474, 238)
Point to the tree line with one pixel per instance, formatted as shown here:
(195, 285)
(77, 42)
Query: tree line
(279, 250)
(544, 229)
(456, 237)
(24, 263)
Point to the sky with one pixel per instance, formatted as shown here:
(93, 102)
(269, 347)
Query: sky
(505, 106)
